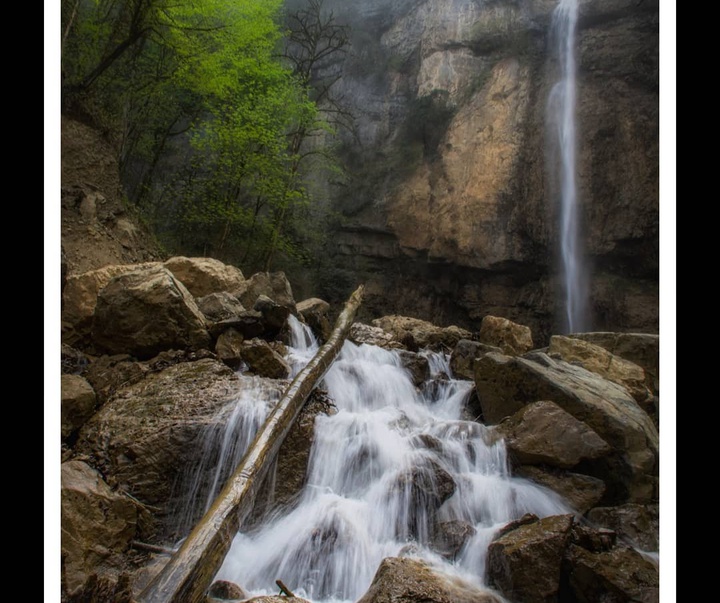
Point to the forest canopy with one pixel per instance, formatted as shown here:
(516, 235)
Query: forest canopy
(213, 107)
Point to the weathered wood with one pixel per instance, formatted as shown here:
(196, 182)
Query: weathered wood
(284, 589)
(189, 573)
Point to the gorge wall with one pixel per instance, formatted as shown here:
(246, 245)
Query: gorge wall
(449, 212)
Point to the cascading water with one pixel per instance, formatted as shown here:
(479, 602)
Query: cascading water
(561, 119)
(384, 471)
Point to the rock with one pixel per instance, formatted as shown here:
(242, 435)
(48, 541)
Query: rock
(463, 357)
(361, 333)
(416, 334)
(229, 348)
(637, 524)
(145, 312)
(80, 298)
(598, 360)
(581, 492)
(315, 312)
(512, 338)
(146, 435)
(276, 599)
(262, 360)
(642, 349)
(621, 574)
(408, 580)
(78, 403)
(525, 564)
(224, 590)
(505, 384)
(274, 315)
(449, 537)
(543, 433)
(249, 324)
(96, 523)
(418, 366)
(72, 361)
(219, 306)
(271, 284)
(203, 276)
(107, 374)
(595, 540)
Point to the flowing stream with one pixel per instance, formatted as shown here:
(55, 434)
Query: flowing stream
(562, 120)
(386, 474)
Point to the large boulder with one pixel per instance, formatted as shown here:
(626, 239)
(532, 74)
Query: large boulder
(637, 524)
(77, 405)
(506, 384)
(148, 433)
(462, 359)
(96, 523)
(543, 433)
(228, 348)
(598, 360)
(146, 311)
(525, 563)
(107, 374)
(80, 298)
(263, 360)
(512, 338)
(363, 333)
(203, 276)
(415, 333)
(316, 314)
(582, 492)
(407, 580)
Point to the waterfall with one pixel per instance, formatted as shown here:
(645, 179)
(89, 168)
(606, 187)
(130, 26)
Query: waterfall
(384, 472)
(561, 119)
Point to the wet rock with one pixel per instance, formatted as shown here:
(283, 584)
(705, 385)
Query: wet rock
(78, 403)
(621, 574)
(416, 334)
(203, 276)
(543, 433)
(219, 306)
(512, 338)
(408, 580)
(449, 537)
(637, 524)
(146, 311)
(418, 366)
(362, 333)
(262, 360)
(274, 315)
(595, 540)
(525, 563)
(225, 590)
(315, 312)
(229, 348)
(582, 492)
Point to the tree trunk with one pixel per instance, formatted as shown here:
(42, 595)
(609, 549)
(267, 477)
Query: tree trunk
(189, 573)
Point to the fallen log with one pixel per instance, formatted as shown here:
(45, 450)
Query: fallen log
(190, 571)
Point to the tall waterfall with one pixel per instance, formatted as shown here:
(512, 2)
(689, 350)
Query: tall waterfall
(384, 473)
(562, 121)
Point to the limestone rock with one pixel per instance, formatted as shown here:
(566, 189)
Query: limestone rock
(146, 311)
(637, 524)
(274, 315)
(78, 403)
(203, 276)
(408, 580)
(107, 374)
(418, 366)
(362, 333)
(223, 589)
(463, 356)
(229, 348)
(95, 522)
(449, 537)
(512, 338)
(543, 433)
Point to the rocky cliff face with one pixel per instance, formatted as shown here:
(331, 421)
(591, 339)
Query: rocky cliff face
(452, 198)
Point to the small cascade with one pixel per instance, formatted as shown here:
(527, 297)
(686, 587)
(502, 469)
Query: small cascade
(384, 471)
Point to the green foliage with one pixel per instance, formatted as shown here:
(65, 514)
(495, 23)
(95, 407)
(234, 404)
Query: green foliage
(208, 115)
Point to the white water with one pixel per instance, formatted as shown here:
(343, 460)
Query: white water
(359, 505)
(561, 118)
